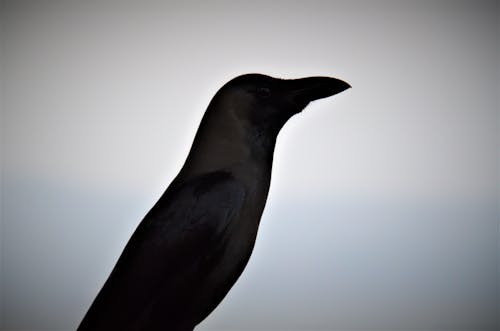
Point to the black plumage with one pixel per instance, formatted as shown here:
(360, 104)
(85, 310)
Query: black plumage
(194, 243)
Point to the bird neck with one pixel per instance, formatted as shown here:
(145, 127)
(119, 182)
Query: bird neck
(223, 142)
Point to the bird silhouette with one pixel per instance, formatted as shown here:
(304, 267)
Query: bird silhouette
(194, 243)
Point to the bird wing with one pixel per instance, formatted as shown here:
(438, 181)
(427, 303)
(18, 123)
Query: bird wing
(170, 251)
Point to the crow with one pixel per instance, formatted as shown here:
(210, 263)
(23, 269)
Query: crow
(194, 243)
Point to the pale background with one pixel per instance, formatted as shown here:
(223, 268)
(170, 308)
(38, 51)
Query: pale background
(383, 210)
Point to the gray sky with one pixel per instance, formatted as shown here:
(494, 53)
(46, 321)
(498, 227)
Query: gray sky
(383, 210)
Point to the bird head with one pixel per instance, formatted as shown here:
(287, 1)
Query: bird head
(245, 116)
(266, 103)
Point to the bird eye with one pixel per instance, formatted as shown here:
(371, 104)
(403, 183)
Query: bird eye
(264, 92)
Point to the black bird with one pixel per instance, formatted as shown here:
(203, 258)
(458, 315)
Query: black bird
(194, 243)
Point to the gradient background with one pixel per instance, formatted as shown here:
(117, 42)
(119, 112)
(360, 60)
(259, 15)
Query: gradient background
(383, 210)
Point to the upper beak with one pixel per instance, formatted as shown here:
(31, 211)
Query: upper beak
(305, 90)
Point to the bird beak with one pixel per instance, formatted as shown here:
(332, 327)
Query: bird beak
(305, 90)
